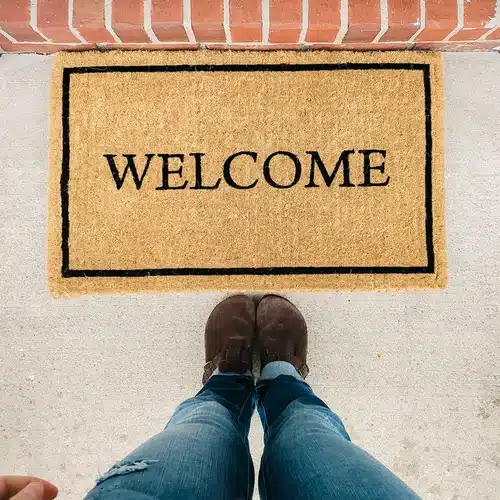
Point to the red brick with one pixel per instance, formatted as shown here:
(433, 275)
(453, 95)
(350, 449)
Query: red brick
(494, 36)
(364, 21)
(441, 17)
(476, 16)
(279, 46)
(127, 20)
(255, 48)
(154, 46)
(52, 21)
(469, 46)
(15, 20)
(285, 21)
(46, 48)
(374, 46)
(318, 46)
(245, 20)
(207, 20)
(482, 45)
(325, 46)
(324, 20)
(88, 19)
(403, 20)
(167, 20)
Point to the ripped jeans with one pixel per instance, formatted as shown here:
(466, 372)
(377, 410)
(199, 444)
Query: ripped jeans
(203, 454)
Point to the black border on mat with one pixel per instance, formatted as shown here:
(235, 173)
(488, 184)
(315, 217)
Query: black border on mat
(67, 272)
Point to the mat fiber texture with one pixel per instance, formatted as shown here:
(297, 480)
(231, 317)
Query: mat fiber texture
(246, 171)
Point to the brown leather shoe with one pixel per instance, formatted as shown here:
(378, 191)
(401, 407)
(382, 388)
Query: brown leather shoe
(229, 335)
(282, 333)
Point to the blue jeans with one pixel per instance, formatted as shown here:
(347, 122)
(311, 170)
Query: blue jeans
(203, 451)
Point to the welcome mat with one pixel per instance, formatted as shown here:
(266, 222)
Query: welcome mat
(246, 171)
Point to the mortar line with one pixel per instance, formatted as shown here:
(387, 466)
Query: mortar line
(70, 22)
(187, 21)
(305, 21)
(384, 20)
(460, 21)
(34, 20)
(344, 22)
(148, 27)
(421, 20)
(266, 21)
(108, 16)
(9, 37)
(227, 22)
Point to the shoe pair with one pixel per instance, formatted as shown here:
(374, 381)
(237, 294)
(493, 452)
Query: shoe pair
(238, 323)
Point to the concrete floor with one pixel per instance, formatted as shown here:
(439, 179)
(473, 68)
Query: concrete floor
(415, 376)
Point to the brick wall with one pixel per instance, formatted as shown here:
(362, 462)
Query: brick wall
(51, 25)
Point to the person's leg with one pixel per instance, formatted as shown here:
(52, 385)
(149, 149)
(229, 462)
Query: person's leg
(203, 451)
(308, 453)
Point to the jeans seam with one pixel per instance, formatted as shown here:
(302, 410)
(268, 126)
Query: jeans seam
(264, 479)
(264, 422)
(249, 468)
(244, 405)
(249, 457)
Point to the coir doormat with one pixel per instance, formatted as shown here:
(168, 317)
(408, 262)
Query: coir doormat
(237, 170)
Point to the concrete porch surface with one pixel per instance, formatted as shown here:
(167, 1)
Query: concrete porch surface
(415, 376)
